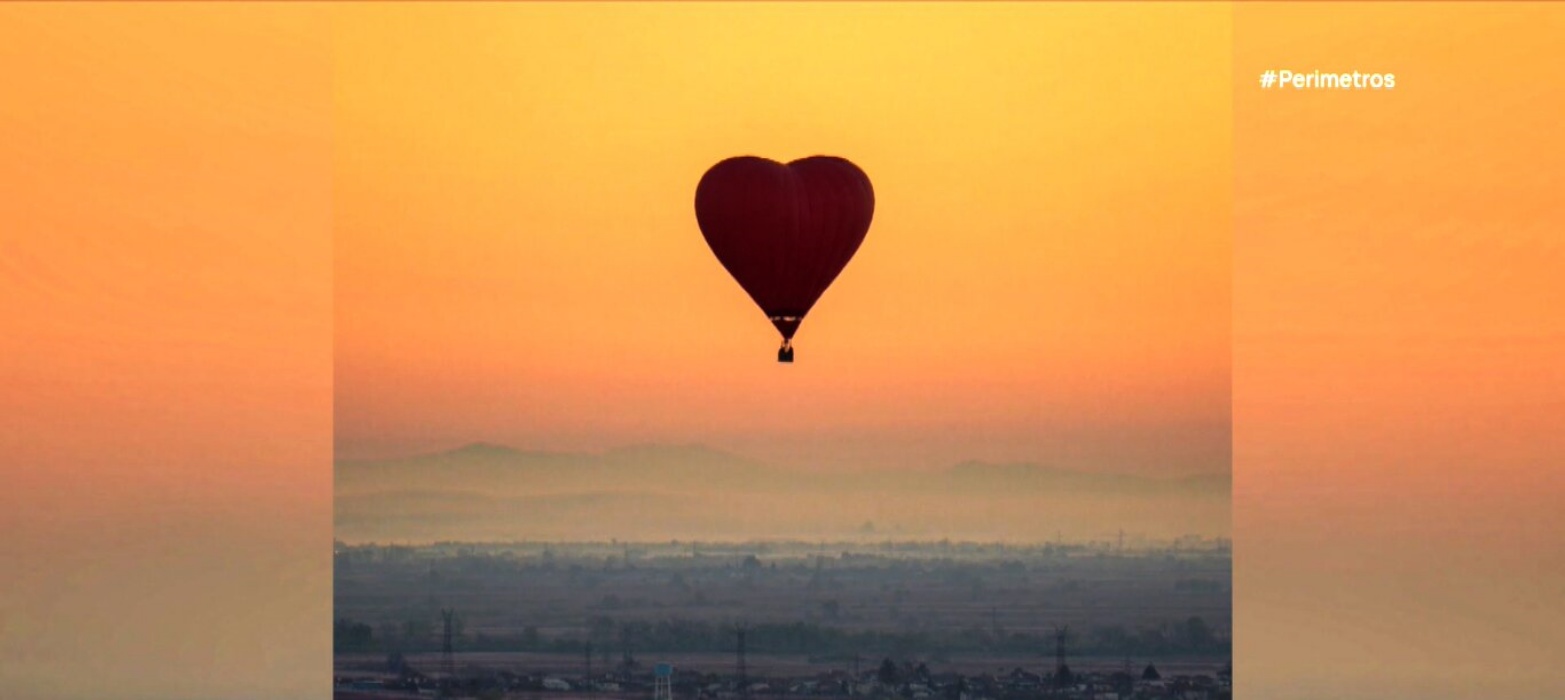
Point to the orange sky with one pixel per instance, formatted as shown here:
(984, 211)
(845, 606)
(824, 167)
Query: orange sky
(166, 274)
(1399, 354)
(165, 350)
(1046, 278)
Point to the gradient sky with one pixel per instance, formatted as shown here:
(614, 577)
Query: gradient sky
(1047, 277)
(165, 358)
(166, 418)
(1399, 354)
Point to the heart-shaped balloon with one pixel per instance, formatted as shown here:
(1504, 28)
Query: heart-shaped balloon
(784, 231)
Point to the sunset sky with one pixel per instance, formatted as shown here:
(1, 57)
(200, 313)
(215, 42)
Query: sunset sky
(1046, 279)
(177, 179)
(1399, 354)
(165, 350)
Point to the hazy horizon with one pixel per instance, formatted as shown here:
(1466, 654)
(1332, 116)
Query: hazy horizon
(487, 492)
(924, 465)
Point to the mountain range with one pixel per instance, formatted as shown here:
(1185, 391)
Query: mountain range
(492, 492)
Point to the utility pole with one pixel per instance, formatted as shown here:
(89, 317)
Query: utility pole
(447, 651)
(744, 682)
(1060, 671)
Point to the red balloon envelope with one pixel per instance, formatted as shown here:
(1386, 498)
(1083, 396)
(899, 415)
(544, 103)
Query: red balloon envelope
(784, 231)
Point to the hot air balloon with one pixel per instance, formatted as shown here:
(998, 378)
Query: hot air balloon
(784, 231)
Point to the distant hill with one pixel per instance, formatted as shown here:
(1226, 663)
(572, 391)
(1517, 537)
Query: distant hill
(486, 491)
